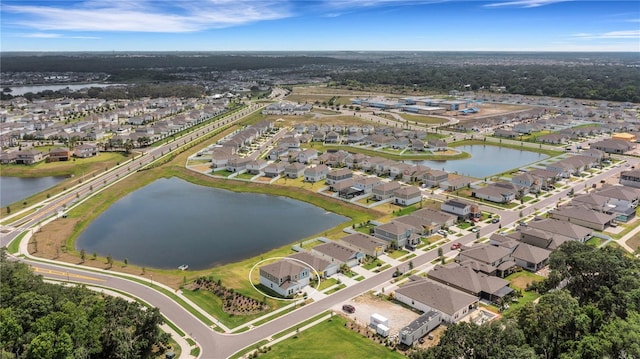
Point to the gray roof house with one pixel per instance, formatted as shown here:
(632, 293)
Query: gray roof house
(316, 174)
(464, 278)
(426, 295)
(338, 253)
(324, 267)
(385, 190)
(285, 277)
(583, 216)
(366, 244)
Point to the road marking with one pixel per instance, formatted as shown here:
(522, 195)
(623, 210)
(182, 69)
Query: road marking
(64, 274)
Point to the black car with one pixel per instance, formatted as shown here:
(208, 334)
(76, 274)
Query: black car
(495, 220)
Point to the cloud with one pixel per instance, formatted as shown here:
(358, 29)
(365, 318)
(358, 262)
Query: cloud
(49, 35)
(147, 16)
(623, 34)
(525, 3)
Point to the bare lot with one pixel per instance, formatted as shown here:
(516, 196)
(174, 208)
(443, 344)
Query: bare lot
(368, 304)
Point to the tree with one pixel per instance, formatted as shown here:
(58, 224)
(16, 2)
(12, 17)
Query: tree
(8, 209)
(110, 261)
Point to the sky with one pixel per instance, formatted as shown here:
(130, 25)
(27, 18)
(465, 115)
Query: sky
(319, 25)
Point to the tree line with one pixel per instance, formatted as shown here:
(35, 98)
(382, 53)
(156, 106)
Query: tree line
(589, 309)
(45, 320)
(603, 82)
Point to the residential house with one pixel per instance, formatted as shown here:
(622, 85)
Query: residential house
(488, 259)
(630, 178)
(613, 146)
(255, 167)
(285, 277)
(333, 137)
(526, 180)
(583, 216)
(495, 193)
(316, 174)
(29, 157)
(462, 209)
(278, 153)
(417, 145)
(353, 160)
(337, 253)
(369, 245)
(552, 138)
(366, 184)
(429, 220)
(550, 233)
(433, 178)
(397, 233)
(85, 150)
(407, 195)
(530, 257)
(307, 155)
(465, 279)
(455, 182)
(273, 170)
(426, 295)
(59, 154)
(323, 267)
(505, 133)
(385, 190)
(237, 164)
(437, 145)
(294, 170)
(221, 156)
(339, 175)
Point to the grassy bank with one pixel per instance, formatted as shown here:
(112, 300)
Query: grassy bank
(544, 151)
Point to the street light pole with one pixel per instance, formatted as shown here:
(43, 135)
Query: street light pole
(152, 280)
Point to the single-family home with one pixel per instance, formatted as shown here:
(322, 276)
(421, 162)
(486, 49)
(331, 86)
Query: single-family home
(339, 175)
(488, 259)
(407, 195)
(630, 178)
(29, 157)
(316, 174)
(385, 190)
(237, 164)
(582, 216)
(369, 245)
(397, 233)
(462, 209)
(495, 193)
(85, 150)
(273, 170)
(550, 233)
(307, 155)
(530, 257)
(255, 167)
(366, 184)
(613, 146)
(437, 145)
(532, 183)
(427, 295)
(285, 277)
(338, 253)
(322, 266)
(294, 170)
(465, 279)
(59, 154)
(433, 178)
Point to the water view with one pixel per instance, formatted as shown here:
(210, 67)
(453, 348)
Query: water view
(14, 189)
(485, 161)
(173, 222)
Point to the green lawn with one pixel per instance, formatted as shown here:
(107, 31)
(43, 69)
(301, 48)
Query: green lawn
(594, 241)
(213, 305)
(329, 340)
(335, 289)
(326, 283)
(374, 263)
(397, 253)
(245, 176)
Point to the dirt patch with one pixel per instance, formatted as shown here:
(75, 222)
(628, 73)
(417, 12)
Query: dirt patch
(367, 304)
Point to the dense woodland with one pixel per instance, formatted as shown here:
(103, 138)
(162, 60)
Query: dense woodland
(603, 82)
(596, 314)
(44, 320)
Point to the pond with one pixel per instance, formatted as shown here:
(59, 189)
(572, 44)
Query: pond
(171, 222)
(14, 189)
(485, 161)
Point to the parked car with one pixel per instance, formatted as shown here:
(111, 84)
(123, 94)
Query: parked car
(495, 220)
(475, 229)
(349, 308)
(456, 246)
(442, 232)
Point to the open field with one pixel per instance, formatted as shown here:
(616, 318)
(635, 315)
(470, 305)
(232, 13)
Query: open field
(331, 333)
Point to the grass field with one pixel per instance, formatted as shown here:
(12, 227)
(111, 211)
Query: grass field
(423, 119)
(329, 340)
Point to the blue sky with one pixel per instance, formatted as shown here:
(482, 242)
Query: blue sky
(308, 25)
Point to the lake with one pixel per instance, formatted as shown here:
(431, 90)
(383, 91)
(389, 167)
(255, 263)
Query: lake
(171, 222)
(21, 90)
(14, 189)
(485, 161)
